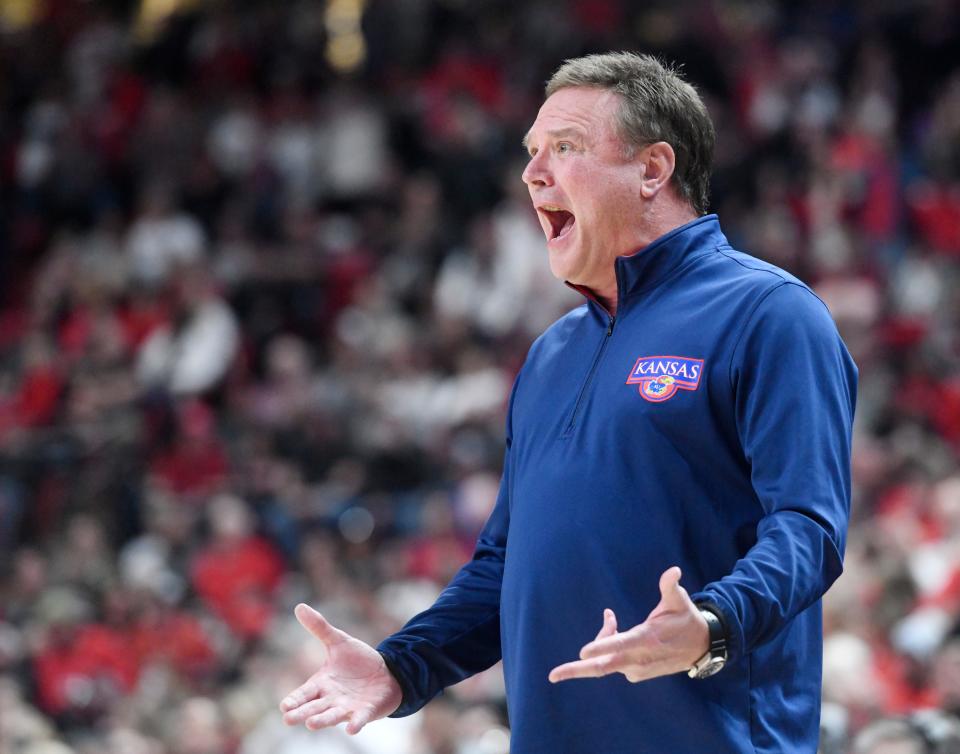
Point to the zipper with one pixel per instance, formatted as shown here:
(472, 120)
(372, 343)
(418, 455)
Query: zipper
(589, 379)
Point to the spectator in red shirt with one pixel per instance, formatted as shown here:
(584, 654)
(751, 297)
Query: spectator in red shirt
(237, 573)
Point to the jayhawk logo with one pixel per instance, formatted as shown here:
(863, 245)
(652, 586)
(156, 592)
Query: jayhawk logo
(660, 377)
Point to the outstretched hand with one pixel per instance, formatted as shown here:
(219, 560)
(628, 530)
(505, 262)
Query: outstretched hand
(671, 639)
(353, 685)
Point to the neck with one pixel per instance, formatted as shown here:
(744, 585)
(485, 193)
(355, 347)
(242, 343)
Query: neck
(658, 222)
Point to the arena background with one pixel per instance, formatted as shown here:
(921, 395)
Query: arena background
(267, 271)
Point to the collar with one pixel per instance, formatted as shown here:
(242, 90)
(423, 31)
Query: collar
(649, 266)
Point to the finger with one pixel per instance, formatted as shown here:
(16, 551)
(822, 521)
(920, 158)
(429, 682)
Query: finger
(301, 713)
(333, 716)
(624, 641)
(359, 720)
(301, 695)
(609, 627)
(317, 625)
(592, 668)
(672, 595)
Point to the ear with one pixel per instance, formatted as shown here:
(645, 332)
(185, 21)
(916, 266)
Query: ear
(659, 161)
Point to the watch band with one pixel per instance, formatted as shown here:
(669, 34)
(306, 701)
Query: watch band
(715, 657)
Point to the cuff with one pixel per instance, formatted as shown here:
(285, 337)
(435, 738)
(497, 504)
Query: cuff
(721, 607)
(406, 707)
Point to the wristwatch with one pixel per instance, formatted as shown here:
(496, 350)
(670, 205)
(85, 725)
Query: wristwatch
(715, 657)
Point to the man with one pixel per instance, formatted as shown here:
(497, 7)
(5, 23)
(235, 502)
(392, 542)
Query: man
(695, 412)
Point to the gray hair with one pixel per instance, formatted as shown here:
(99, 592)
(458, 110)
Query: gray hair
(657, 105)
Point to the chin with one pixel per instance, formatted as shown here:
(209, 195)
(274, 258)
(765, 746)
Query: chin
(569, 273)
(561, 271)
(566, 262)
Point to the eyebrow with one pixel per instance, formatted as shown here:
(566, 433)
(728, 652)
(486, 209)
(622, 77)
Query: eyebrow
(557, 133)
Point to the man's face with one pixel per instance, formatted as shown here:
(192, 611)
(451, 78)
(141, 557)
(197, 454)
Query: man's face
(585, 189)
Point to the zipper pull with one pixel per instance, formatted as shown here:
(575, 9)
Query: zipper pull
(610, 326)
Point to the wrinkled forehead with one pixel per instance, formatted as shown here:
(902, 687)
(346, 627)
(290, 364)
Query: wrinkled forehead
(587, 111)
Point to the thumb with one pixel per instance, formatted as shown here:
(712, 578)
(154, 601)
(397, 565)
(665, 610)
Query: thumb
(672, 595)
(316, 624)
(609, 627)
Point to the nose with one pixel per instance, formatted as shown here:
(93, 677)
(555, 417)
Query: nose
(536, 173)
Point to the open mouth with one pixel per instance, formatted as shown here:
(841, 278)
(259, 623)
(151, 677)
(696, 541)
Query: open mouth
(561, 221)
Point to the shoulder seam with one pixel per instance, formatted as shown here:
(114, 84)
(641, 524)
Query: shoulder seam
(722, 251)
(798, 283)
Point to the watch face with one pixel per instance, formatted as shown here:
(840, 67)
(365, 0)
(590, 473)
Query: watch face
(715, 665)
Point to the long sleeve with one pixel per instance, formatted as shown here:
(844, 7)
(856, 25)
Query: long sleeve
(459, 635)
(795, 391)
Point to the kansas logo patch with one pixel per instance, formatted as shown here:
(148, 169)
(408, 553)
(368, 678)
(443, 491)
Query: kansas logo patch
(660, 377)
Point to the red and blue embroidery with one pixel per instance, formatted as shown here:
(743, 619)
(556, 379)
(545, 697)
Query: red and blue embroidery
(660, 377)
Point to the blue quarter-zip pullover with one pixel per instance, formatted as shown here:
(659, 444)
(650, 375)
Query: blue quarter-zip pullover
(707, 425)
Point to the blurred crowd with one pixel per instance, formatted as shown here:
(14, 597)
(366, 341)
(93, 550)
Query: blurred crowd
(261, 306)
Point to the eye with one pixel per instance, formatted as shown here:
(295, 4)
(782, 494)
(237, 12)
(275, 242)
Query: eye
(563, 147)
(532, 151)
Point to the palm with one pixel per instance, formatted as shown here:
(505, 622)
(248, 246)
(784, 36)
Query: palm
(352, 686)
(353, 674)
